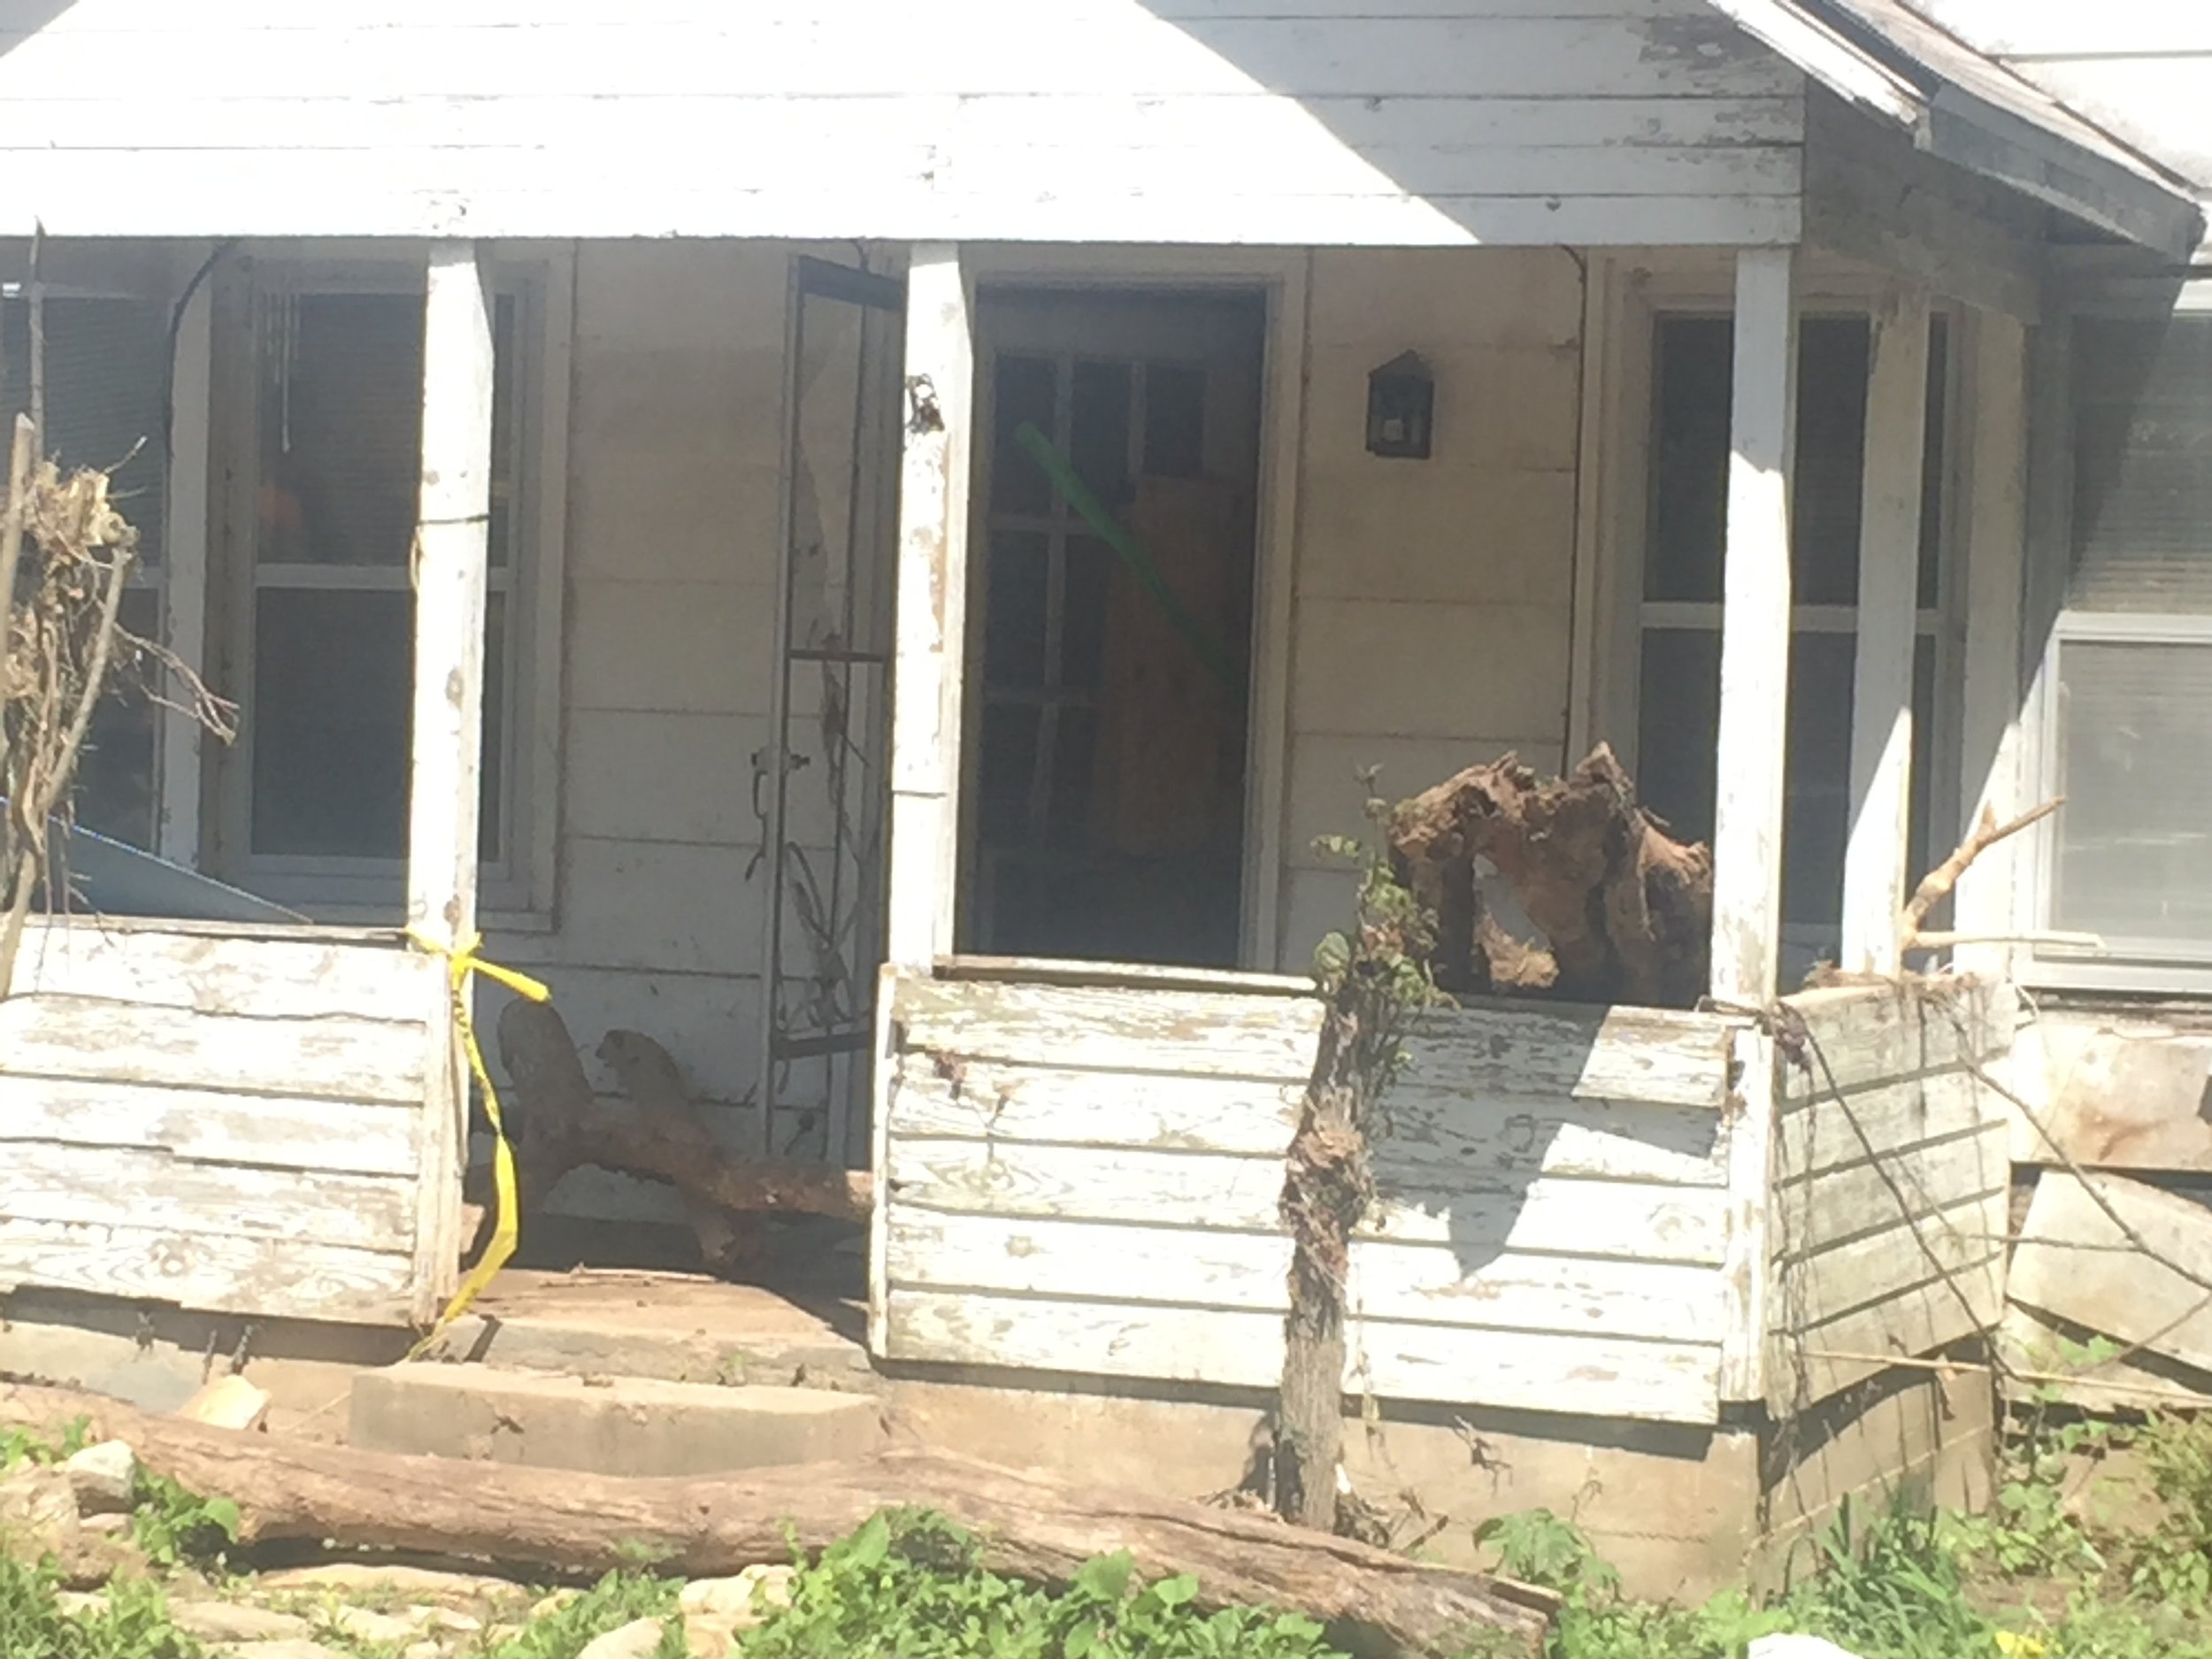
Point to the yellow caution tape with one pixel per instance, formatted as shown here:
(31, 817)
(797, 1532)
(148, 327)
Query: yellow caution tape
(462, 961)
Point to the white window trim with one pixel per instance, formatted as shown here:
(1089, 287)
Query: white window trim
(519, 893)
(2126, 966)
(1606, 691)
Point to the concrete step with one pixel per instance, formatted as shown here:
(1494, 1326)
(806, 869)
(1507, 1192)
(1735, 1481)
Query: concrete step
(609, 1426)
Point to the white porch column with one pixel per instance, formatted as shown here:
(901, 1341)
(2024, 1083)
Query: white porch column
(1876, 854)
(450, 560)
(930, 650)
(1755, 644)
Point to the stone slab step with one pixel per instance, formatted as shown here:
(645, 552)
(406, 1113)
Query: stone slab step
(610, 1425)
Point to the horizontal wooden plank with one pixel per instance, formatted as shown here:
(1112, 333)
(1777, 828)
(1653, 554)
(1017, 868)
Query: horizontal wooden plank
(1810, 1365)
(1420, 1283)
(219, 1273)
(211, 1125)
(1119, 976)
(1643, 1054)
(333, 1057)
(1199, 1034)
(1817, 1135)
(260, 977)
(124, 1186)
(1631, 1219)
(2115, 1100)
(921, 52)
(2073, 1263)
(1432, 1132)
(1810, 1216)
(1646, 1381)
(1867, 1034)
(1964, 1240)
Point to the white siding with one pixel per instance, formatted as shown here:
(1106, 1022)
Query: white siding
(1084, 1179)
(1325, 121)
(223, 1121)
(1892, 1177)
(1431, 619)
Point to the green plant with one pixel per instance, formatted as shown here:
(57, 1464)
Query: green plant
(173, 1526)
(25, 1446)
(618, 1599)
(130, 1622)
(908, 1586)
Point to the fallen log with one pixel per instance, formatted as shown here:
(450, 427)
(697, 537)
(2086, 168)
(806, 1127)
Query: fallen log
(1625, 909)
(558, 1127)
(1028, 1525)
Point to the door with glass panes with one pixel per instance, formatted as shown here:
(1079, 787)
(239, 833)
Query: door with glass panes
(1110, 616)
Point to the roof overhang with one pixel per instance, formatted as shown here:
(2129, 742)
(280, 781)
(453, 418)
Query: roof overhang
(1967, 110)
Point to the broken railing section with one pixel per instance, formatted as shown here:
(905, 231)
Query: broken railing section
(1625, 909)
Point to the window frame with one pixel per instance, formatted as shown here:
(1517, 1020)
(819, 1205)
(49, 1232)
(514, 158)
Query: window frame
(2049, 625)
(517, 888)
(1611, 686)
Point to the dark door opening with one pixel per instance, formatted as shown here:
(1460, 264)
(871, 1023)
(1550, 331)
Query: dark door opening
(1112, 617)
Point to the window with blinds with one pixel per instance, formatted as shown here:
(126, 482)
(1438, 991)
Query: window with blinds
(1678, 694)
(2130, 743)
(106, 389)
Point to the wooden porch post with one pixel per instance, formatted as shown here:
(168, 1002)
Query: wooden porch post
(1755, 642)
(450, 560)
(1875, 855)
(929, 652)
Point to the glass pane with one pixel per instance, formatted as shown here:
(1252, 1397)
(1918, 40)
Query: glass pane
(1931, 462)
(106, 390)
(1023, 389)
(826, 479)
(506, 439)
(1678, 713)
(115, 769)
(1074, 768)
(1007, 769)
(1817, 782)
(1014, 610)
(2135, 764)
(2142, 464)
(1831, 460)
(341, 429)
(1174, 419)
(330, 720)
(1689, 458)
(492, 757)
(1099, 443)
(1089, 587)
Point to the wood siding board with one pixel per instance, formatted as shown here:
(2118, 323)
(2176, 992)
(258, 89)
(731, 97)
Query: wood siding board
(242, 974)
(1960, 1240)
(1816, 1138)
(1649, 1381)
(1849, 1202)
(212, 1126)
(2073, 1263)
(219, 1272)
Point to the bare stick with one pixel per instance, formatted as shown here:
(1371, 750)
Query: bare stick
(38, 336)
(11, 558)
(1935, 886)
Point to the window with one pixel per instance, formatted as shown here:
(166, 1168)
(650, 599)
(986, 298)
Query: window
(105, 386)
(1679, 611)
(322, 652)
(2127, 728)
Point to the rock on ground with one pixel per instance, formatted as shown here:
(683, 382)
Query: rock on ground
(104, 1478)
(634, 1640)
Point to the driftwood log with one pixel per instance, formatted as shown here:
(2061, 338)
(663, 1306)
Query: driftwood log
(1625, 909)
(1028, 1525)
(558, 1127)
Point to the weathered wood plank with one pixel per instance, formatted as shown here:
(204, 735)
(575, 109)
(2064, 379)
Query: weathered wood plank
(1419, 1283)
(2074, 1264)
(211, 1126)
(243, 974)
(1433, 1129)
(1646, 1381)
(334, 1057)
(1870, 1033)
(1815, 1136)
(1962, 1239)
(1616, 1053)
(2117, 1099)
(223, 1273)
(1846, 1203)
(122, 1186)
(1633, 1219)
(1811, 1364)
(2032, 1341)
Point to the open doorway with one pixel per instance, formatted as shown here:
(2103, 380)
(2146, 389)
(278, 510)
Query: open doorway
(1110, 650)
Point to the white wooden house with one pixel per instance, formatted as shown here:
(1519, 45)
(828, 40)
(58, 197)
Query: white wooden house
(601, 456)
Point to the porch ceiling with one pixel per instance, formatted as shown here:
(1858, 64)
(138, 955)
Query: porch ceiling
(1975, 113)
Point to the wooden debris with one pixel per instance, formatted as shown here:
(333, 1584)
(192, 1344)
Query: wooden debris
(558, 1127)
(1027, 1525)
(1935, 886)
(1626, 910)
(228, 1402)
(2140, 1278)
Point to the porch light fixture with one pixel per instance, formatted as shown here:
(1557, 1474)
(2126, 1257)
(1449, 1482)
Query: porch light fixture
(1401, 409)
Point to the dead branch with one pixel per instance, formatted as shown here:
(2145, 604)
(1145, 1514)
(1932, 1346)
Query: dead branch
(1935, 886)
(1027, 1525)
